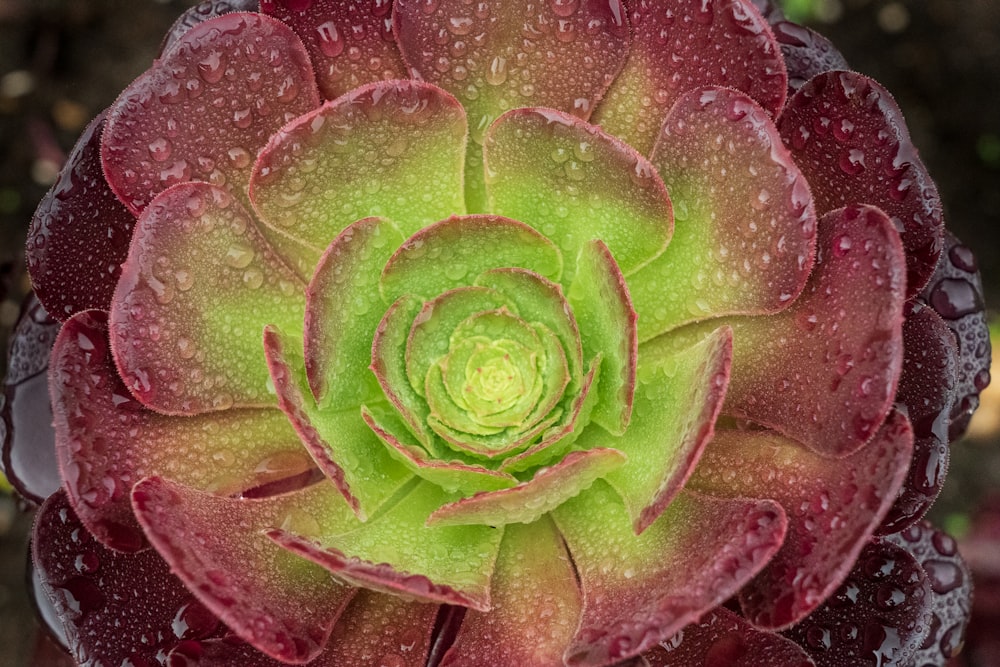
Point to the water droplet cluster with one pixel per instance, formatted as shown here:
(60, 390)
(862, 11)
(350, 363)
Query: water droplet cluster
(877, 617)
(552, 53)
(926, 392)
(950, 590)
(824, 370)
(827, 507)
(394, 152)
(806, 53)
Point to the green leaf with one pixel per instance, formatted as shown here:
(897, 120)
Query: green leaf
(541, 301)
(453, 252)
(430, 336)
(397, 553)
(574, 182)
(663, 445)
(343, 310)
(603, 309)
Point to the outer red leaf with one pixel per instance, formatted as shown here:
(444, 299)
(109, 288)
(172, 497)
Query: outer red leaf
(723, 639)
(832, 506)
(688, 44)
(283, 605)
(502, 65)
(851, 142)
(878, 616)
(80, 233)
(518, 53)
(203, 11)
(106, 441)
(350, 42)
(117, 609)
(639, 590)
(825, 370)
(242, 75)
(26, 435)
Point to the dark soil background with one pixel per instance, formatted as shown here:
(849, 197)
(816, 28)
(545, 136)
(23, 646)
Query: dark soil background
(62, 61)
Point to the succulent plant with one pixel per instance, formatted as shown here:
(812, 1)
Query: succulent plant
(513, 333)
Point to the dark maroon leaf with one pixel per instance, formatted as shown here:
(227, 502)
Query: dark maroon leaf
(850, 140)
(950, 586)
(769, 9)
(724, 639)
(117, 609)
(926, 392)
(877, 618)
(833, 506)
(201, 13)
(29, 460)
(80, 233)
(45, 609)
(955, 292)
(807, 53)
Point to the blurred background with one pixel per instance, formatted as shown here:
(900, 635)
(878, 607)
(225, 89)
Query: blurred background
(62, 61)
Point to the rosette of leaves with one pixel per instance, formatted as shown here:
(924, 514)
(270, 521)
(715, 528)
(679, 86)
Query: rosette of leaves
(502, 333)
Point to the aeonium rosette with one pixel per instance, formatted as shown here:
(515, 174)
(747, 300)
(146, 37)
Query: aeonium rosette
(553, 328)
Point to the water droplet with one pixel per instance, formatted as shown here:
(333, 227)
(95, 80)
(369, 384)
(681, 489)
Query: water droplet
(852, 161)
(160, 149)
(239, 157)
(242, 118)
(459, 25)
(564, 8)
(239, 256)
(212, 67)
(330, 41)
(954, 298)
(496, 74)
